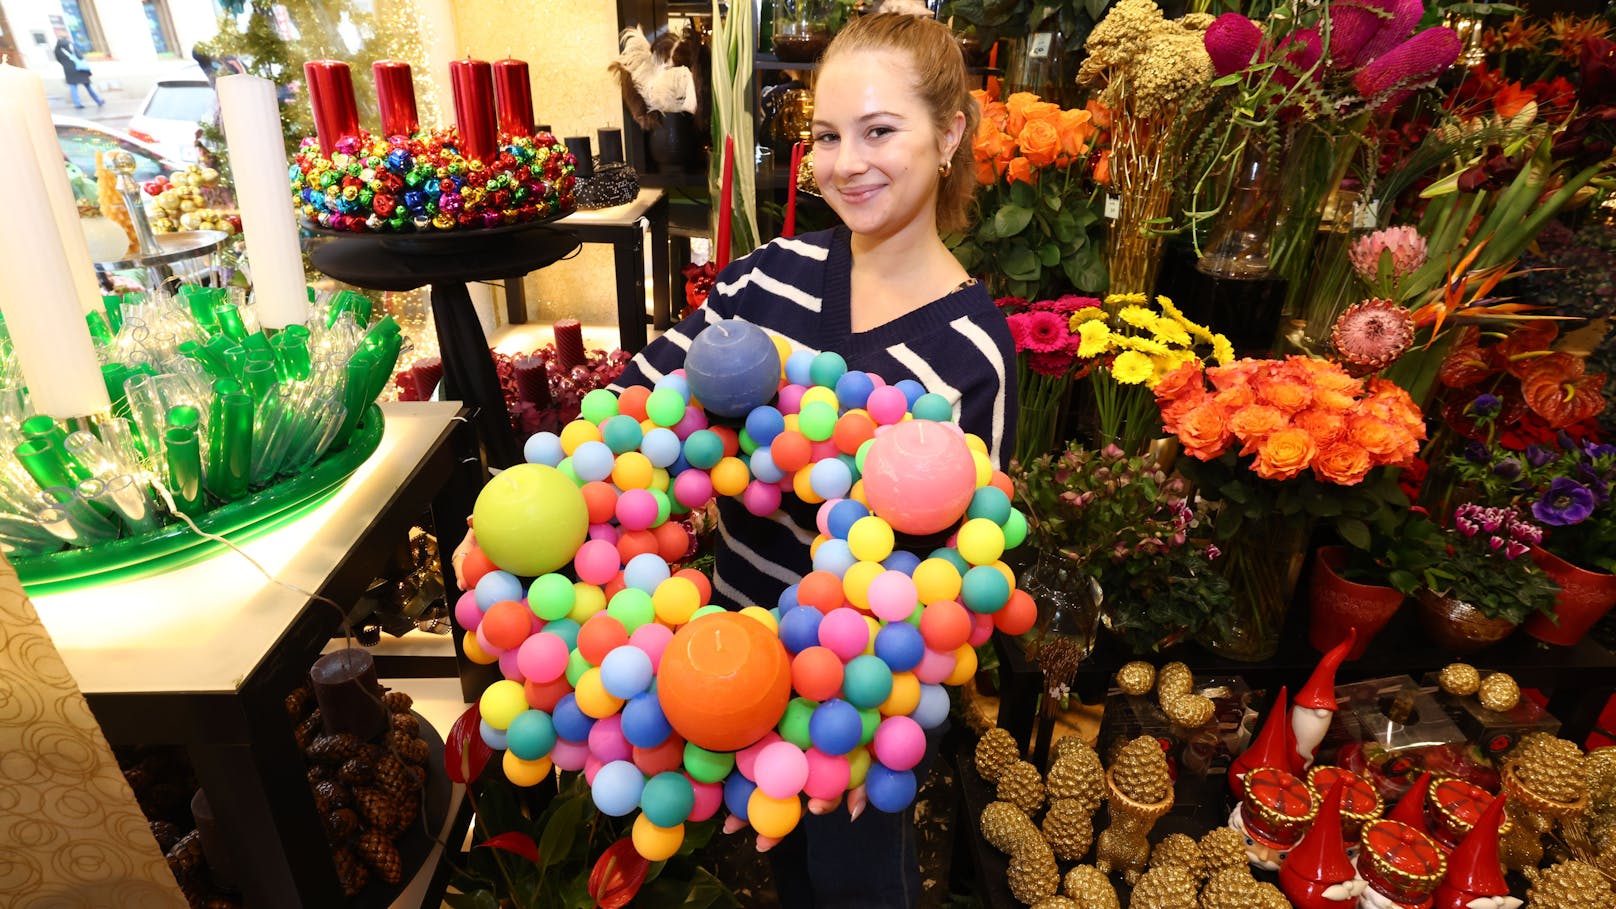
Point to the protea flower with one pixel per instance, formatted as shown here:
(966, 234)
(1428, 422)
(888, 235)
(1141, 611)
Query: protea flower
(1232, 41)
(1352, 25)
(1417, 61)
(1407, 248)
(1405, 15)
(1371, 335)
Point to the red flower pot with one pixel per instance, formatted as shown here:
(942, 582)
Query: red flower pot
(1585, 597)
(1336, 604)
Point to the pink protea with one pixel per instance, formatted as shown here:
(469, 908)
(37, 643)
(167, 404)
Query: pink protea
(1386, 81)
(1352, 25)
(1297, 55)
(1407, 248)
(1371, 335)
(1232, 41)
(1394, 31)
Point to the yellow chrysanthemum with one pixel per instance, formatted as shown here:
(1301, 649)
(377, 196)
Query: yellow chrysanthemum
(1138, 317)
(1222, 350)
(1140, 344)
(1169, 332)
(1166, 363)
(1171, 310)
(1096, 339)
(1132, 368)
(1112, 300)
(1088, 314)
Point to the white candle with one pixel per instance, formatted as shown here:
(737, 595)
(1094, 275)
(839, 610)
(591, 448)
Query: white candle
(252, 131)
(29, 91)
(36, 295)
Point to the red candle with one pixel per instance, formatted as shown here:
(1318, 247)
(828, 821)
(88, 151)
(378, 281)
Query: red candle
(474, 108)
(513, 93)
(569, 342)
(395, 95)
(331, 95)
(790, 229)
(726, 207)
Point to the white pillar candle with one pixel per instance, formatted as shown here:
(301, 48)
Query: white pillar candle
(36, 293)
(29, 91)
(252, 132)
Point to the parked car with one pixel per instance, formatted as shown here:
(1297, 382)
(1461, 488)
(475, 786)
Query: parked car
(172, 115)
(81, 139)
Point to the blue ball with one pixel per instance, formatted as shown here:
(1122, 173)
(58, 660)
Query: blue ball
(989, 502)
(625, 672)
(531, 735)
(788, 598)
(618, 786)
(901, 560)
(644, 724)
(889, 790)
(565, 629)
(661, 447)
(799, 628)
(675, 382)
(593, 460)
(645, 571)
(493, 738)
(867, 681)
(911, 389)
(763, 466)
(827, 368)
(853, 389)
(732, 367)
(835, 727)
(933, 709)
(932, 406)
(737, 792)
(799, 367)
(900, 646)
(621, 433)
(764, 423)
(543, 448)
(842, 515)
(571, 723)
(830, 479)
(668, 799)
(703, 449)
(497, 586)
(834, 556)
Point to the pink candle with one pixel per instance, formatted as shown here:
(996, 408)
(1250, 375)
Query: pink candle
(726, 206)
(474, 108)
(513, 94)
(331, 96)
(395, 96)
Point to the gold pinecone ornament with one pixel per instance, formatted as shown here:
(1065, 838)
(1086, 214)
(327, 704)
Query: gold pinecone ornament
(1069, 829)
(1136, 678)
(1077, 774)
(1141, 771)
(1166, 887)
(1459, 679)
(1223, 848)
(1174, 679)
(1090, 888)
(1230, 888)
(1006, 828)
(1139, 792)
(1546, 781)
(1055, 902)
(1570, 885)
(1550, 767)
(1270, 897)
(1180, 850)
(1022, 785)
(1191, 711)
(995, 750)
(1033, 873)
(1499, 693)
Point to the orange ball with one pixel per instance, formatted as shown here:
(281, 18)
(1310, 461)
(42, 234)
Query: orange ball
(1017, 616)
(1001, 481)
(821, 590)
(672, 540)
(791, 451)
(945, 625)
(724, 681)
(669, 755)
(852, 431)
(635, 542)
(599, 636)
(632, 401)
(473, 567)
(613, 586)
(695, 576)
(545, 695)
(732, 442)
(507, 624)
(816, 673)
(601, 500)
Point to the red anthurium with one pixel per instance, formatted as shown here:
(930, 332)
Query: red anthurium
(465, 754)
(1518, 353)
(1561, 392)
(618, 875)
(1467, 364)
(515, 842)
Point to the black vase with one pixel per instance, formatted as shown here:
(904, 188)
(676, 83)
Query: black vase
(675, 144)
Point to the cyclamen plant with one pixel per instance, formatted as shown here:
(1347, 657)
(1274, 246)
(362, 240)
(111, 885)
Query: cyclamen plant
(1478, 559)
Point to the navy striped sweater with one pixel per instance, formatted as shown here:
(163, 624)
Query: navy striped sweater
(799, 289)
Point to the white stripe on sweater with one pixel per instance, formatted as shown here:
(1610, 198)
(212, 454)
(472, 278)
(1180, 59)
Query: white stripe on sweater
(990, 352)
(927, 376)
(806, 250)
(758, 562)
(765, 282)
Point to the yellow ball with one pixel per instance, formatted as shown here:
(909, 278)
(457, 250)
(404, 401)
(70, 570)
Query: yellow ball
(856, 583)
(823, 395)
(937, 580)
(858, 765)
(587, 599)
(813, 548)
(1009, 576)
(783, 348)
(964, 665)
(974, 442)
(984, 469)
(792, 423)
(857, 493)
(675, 600)
(730, 477)
(981, 541)
(802, 485)
(501, 702)
(632, 470)
(656, 844)
(526, 773)
(577, 433)
(764, 616)
(905, 696)
(875, 629)
(870, 538)
(771, 816)
(476, 653)
(659, 479)
(593, 698)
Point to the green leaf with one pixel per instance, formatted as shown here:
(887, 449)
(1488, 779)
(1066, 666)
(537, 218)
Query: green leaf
(1011, 220)
(1052, 201)
(1325, 507)
(1234, 491)
(1084, 215)
(479, 899)
(1049, 255)
(559, 833)
(985, 234)
(1354, 532)
(1022, 195)
(1020, 264)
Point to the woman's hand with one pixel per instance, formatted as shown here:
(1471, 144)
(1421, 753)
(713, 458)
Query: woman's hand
(461, 551)
(857, 800)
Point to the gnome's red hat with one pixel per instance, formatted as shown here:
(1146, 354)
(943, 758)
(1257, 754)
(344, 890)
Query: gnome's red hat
(1321, 856)
(1319, 692)
(1272, 746)
(1410, 808)
(1473, 868)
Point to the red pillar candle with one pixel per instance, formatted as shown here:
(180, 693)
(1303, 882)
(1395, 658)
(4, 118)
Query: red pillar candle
(569, 341)
(513, 94)
(474, 107)
(726, 205)
(331, 95)
(395, 96)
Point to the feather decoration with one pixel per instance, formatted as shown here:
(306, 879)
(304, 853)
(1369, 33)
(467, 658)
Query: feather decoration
(651, 86)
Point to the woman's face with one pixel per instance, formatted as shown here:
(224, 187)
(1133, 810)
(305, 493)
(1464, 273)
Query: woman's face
(876, 152)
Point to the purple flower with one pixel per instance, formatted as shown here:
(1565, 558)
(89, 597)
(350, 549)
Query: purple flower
(1508, 469)
(1212, 551)
(1485, 405)
(1513, 550)
(1596, 451)
(1476, 453)
(1492, 519)
(1566, 502)
(1538, 455)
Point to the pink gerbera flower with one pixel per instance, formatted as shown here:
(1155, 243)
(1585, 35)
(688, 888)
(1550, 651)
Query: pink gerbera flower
(1047, 332)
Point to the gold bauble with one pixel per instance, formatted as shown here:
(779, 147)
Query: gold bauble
(1174, 678)
(1498, 692)
(1033, 873)
(1570, 885)
(1179, 849)
(1191, 711)
(1459, 679)
(1136, 678)
(995, 750)
(209, 176)
(1090, 888)
(1166, 887)
(1022, 785)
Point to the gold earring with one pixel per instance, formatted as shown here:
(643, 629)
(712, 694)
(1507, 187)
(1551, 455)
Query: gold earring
(945, 168)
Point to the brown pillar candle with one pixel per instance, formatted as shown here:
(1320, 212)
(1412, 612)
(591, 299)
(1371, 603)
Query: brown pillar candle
(569, 341)
(350, 698)
(533, 381)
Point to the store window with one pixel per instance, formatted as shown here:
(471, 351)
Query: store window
(161, 26)
(83, 26)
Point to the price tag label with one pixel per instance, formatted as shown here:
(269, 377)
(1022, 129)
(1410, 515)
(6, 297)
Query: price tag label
(1038, 48)
(1113, 207)
(1365, 217)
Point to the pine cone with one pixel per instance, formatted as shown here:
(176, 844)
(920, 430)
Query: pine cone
(995, 750)
(1136, 678)
(1033, 873)
(1550, 767)
(1231, 888)
(1077, 774)
(1140, 771)
(406, 723)
(1499, 693)
(329, 796)
(1006, 828)
(394, 777)
(1570, 885)
(341, 824)
(1090, 888)
(408, 747)
(1271, 897)
(1021, 785)
(319, 773)
(1174, 678)
(380, 812)
(1223, 848)
(306, 731)
(397, 701)
(1055, 902)
(166, 834)
(333, 749)
(185, 856)
(357, 771)
(1191, 711)
(1459, 679)
(1166, 887)
(351, 872)
(1179, 849)
(1066, 744)
(1069, 829)
(298, 701)
(378, 851)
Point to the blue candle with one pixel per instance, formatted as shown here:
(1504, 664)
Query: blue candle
(733, 367)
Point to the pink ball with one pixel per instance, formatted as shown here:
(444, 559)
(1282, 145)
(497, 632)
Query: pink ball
(781, 770)
(919, 476)
(607, 532)
(790, 400)
(822, 516)
(606, 741)
(900, 743)
(886, 405)
(510, 666)
(892, 596)
(934, 667)
(592, 766)
(820, 451)
(466, 611)
(692, 488)
(569, 755)
(597, 562)
(693, 420)
(761, 498)
(542, 657)
(746, 758)
(709, 798)
(828, 775)
(844, 632)
(488, 648)
(981, 629)
(636, 509)
(653, 639)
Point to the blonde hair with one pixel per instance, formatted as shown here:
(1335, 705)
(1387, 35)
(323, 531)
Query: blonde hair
(939, 69)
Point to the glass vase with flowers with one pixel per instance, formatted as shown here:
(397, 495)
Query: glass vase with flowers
(1047, 364)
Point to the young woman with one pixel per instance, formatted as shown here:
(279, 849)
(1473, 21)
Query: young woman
(892, 156)
(75, 71)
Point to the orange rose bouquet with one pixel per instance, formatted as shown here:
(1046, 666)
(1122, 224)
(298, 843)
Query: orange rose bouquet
(1278, 445)
(1035, 230)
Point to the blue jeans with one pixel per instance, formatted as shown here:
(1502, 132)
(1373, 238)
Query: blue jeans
(73, 90)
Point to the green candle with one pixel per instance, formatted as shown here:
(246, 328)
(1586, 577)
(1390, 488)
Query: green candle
(184, 468)
(230, 445)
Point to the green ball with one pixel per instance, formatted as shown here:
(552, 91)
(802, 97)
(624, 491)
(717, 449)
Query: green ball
(707, 766)
(531, 735)
(703, 449)
(665, 407)
(1015, 529)
(667, 799)
(826, 368)
(817, 421)
(621, 433)
(675, 509)
(551, 597)
(990, 502)
(709, 609)
(745, 440)
(598, 406)
(632, 606)
(794, 725)
(566, 469)
(985, 590)
(866, 681)
(664, 506)
(863, 452)
(576, 667)
(871, 718)
(933, 406)
(852, 466)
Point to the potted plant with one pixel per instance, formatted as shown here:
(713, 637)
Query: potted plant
(1348, 589)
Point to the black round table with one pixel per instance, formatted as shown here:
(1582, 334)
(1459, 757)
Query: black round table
(445, 262)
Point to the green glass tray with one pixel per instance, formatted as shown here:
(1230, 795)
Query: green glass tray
(175, 545)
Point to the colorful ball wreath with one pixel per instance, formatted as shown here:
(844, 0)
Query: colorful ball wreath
(620, 666)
